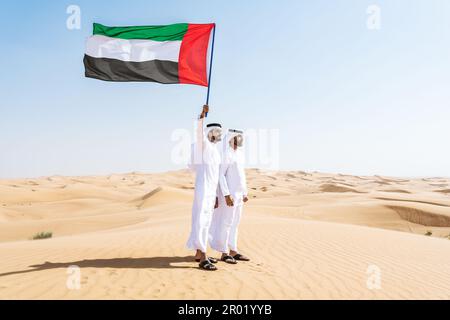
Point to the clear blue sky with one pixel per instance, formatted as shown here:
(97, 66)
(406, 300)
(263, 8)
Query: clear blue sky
(345, 98)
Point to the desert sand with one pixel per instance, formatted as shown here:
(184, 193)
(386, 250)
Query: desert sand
(310, 236)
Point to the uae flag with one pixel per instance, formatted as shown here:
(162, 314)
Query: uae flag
(175, 53)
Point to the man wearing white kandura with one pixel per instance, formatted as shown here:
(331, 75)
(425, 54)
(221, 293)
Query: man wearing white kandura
(205, 161)
(232, 194)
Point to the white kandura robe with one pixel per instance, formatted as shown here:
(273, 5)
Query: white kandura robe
(205, 161)
(224, 229)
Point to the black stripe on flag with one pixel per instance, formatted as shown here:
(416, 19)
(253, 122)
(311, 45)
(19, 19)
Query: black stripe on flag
(117, 70)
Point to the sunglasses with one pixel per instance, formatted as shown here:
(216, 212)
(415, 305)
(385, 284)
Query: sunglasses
(215, 135)
(239, 140)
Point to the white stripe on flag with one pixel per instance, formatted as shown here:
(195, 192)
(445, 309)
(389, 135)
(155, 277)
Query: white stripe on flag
(132, 50)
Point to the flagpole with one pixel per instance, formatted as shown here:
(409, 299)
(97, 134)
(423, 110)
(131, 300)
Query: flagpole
(210, 66)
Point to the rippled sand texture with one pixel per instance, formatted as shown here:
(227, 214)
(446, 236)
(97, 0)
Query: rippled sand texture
(310, 236)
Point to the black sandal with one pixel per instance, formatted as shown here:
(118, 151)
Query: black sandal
(206, 265)
(240, 257)
(212, 260)
(228, 259)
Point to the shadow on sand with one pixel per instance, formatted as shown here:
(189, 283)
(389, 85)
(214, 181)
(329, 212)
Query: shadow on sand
(115, 263)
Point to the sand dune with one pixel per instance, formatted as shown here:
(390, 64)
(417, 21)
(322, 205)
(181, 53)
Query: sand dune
(310, 236)
(445, 191)
(336, 188)
(423, 217)
(395, 191)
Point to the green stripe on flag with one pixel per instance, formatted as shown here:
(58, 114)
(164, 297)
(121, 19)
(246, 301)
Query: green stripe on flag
(172, 32)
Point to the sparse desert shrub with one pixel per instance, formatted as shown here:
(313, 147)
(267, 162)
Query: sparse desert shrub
(428, 233)
(42, 235)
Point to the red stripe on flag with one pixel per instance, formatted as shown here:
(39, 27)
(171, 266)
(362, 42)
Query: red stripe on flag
(193, 54)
